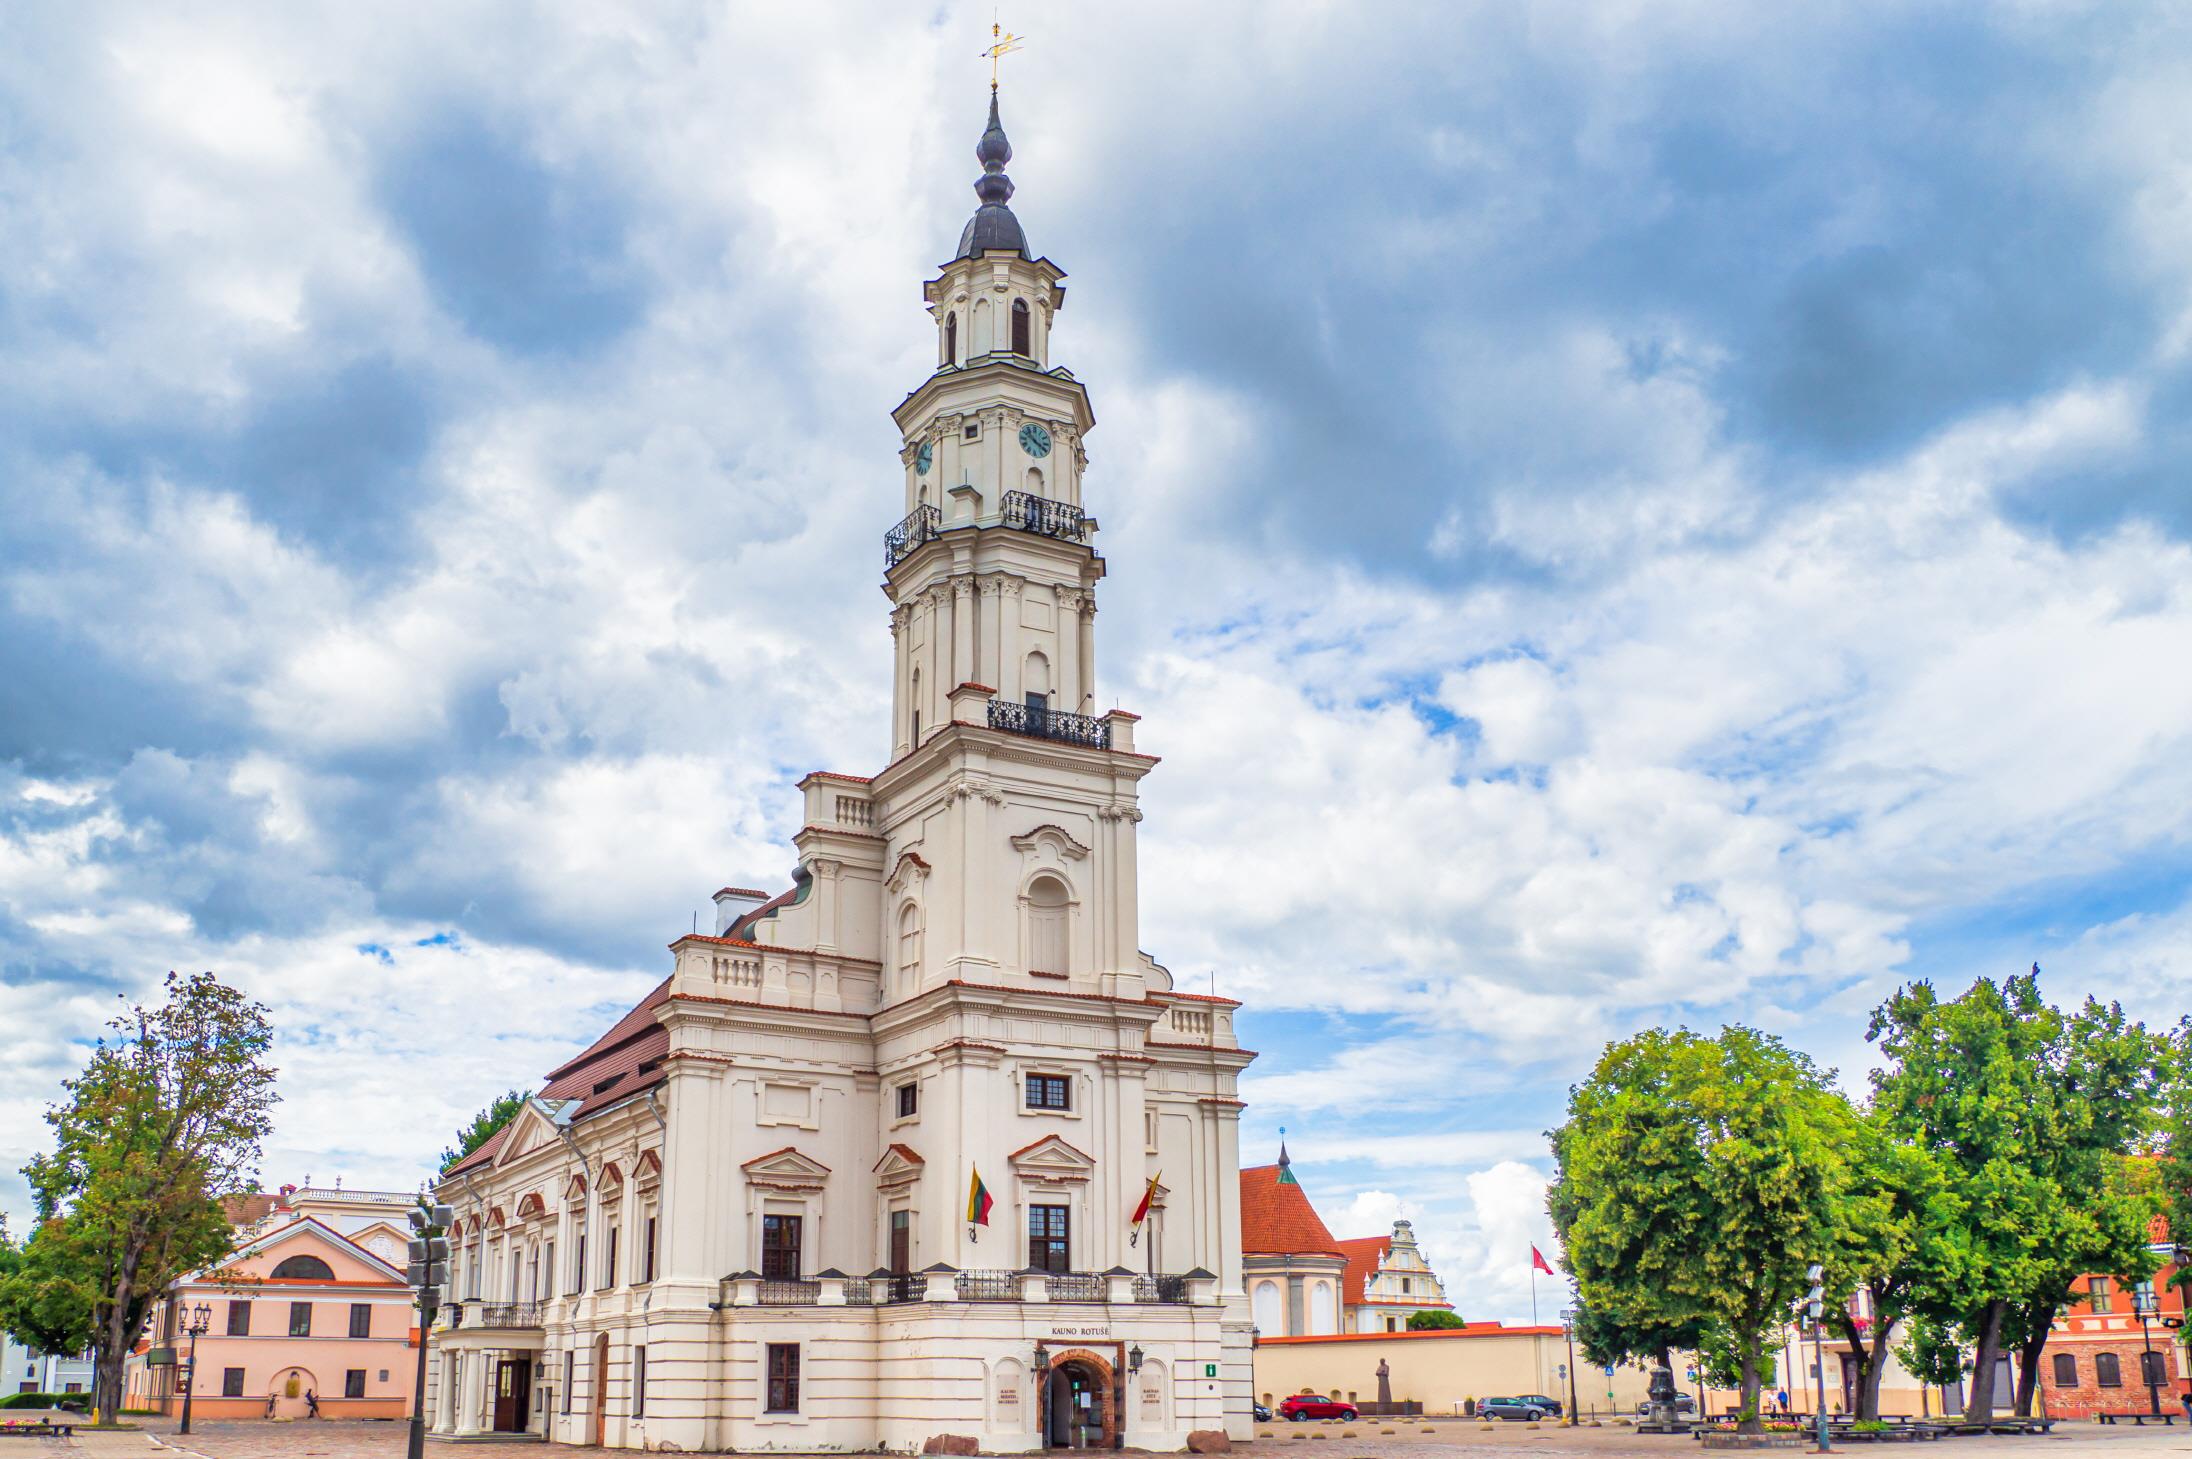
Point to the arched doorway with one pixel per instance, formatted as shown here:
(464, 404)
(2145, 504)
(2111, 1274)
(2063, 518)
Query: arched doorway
(600, 1377)
(1077, 1403)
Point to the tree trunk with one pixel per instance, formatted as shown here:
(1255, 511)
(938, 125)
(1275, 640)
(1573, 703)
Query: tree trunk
(2039, 1320)
(1876, 1365)
(1750, 1423)
(1980, 1408)
(1868, 1381)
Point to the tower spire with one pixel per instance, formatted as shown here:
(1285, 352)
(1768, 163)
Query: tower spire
(993, 225)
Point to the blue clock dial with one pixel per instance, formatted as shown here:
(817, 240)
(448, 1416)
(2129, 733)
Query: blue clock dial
(1034, 440)
(924, 456)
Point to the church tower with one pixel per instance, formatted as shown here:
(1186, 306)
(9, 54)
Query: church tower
(924, 1144)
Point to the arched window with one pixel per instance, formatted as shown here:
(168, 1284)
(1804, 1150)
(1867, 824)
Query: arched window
(1035, 481)
(914, 698)
(1322, 1319)
(1047, 950)
(304, 1269)
(909, 945)
(951, 338)
(1035, 680)
(984, 340)
(1270, 1314)
(2107, 1370)
(1020, 344)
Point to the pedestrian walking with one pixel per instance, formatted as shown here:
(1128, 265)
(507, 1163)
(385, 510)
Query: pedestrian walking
(311, 1404)
(1782, 1398)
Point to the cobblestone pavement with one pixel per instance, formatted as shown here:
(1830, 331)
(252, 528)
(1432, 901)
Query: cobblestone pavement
(1448, 1439)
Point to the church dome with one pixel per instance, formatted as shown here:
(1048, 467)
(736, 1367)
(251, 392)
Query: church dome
(993, 225)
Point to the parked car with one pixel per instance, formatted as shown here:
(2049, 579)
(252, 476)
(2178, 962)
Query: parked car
(1550, 1405)
(1681, 1403)
(1298, 1406)
(1263, 1415)
(1512, 1410)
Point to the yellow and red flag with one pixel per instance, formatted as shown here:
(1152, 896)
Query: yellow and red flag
(979, 1201)
(1141, 1212)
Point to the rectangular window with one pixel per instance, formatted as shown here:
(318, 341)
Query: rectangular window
(780, 1238)
(647, 1269)
(2107, 1370)
(1038, 703)
(578, 1265)
(909, 1100)
(2100, 1294)
(969, 433)
(570, 1366)
(232, 1382)
(2066, 1370)
(1149, 1129)
(548, 1265)
(639, 1382)
(608, 1261)
(783, 1377)
(239, 1319)
(354, 1383)
(361, 1319)
(901, 1242)
(1049, 1241)
(1048, 1091)
(300, 1319)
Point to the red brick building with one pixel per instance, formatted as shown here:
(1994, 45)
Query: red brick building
(2101, 1359)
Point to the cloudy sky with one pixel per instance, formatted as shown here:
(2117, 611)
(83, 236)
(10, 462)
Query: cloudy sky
(1618, 513)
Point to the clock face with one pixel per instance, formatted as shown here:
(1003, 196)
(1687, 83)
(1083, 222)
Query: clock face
(1034, 439)
(924, 456)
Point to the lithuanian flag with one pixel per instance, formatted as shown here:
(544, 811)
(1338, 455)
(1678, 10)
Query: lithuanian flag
(979, 1201)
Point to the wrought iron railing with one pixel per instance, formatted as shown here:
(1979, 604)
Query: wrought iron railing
(1048, 724)
(922, 524)
(989, 1286)
(1158, 1288)
(508, 1314)
(1031, 513)
(859, 1292)
(1075, 1287)
(778, 1293)
(905, 1287)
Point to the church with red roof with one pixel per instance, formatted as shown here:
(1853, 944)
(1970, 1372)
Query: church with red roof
(1303, 1282)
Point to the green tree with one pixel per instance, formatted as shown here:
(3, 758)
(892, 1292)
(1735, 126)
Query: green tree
(1889, 1241)
(164, 1122)
(2029, 1114)
(1433, 1321)
(1696, 1180)
(1608, 1342)
(484, 1125)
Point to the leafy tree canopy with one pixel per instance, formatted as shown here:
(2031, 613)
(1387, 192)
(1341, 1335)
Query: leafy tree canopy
(163, 1123)
(1696, 1180)
(483, 1126)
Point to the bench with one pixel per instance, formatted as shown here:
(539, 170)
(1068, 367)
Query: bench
(2137, 1418)
(40, 1429)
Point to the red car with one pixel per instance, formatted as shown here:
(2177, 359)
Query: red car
(1298, 1406)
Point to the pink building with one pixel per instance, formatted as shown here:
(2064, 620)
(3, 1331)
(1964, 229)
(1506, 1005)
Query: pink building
(311, 1311)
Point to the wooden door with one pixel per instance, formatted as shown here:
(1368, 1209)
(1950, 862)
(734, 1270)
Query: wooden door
(599, 1376)
(506, 1398)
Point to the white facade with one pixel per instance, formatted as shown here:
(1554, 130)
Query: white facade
(763, 1173)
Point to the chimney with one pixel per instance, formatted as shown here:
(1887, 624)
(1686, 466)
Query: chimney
(733, 903)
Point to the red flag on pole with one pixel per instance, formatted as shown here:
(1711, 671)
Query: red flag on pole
(1537, 1260)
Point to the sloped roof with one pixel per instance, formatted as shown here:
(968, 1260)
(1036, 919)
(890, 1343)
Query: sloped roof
(1364, 1255)
(1276, 1217)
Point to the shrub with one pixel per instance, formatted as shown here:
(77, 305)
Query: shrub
(74, 1402)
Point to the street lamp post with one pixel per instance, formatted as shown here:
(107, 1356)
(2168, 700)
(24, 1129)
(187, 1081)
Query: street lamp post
(2142, 1302)
(195, 1321)
(1567, 1330)
(1815, 1307)
(429, 1273)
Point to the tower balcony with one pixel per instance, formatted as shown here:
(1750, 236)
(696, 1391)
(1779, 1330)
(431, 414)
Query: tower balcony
(1016, 718)
(922, 524)
(1026, 512)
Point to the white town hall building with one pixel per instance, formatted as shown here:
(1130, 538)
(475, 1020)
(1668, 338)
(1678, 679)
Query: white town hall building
(744, 1218)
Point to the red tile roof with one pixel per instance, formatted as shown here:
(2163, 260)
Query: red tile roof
(1363, 1254)
(1436, 1334)
(1277, 1219)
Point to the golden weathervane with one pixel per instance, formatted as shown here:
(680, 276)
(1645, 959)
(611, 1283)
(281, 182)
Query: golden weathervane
(1002, 44)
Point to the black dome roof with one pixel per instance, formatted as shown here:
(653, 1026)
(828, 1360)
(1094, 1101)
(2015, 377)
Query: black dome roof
(992, 225)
